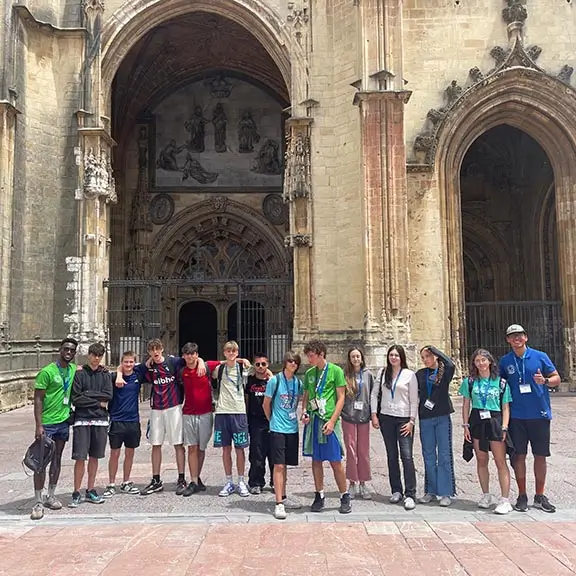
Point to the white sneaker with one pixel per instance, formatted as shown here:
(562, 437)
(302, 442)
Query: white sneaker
(427, 498)
(504, 507)
(291, 503)
(395, 498)
(353, 490)
(227, 490)
(445, 501)
(409, 503)
(279, 512)
(486, 501)
(242, 489)
(365, 492)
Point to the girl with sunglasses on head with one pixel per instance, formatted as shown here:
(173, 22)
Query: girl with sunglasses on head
(356, 423)
(434, 410)
(394, 404)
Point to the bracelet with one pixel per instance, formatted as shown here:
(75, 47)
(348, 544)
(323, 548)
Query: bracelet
(504, 428)
(305, 415)
(466, 425)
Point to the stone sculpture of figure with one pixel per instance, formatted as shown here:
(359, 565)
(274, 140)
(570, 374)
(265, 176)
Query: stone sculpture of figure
(219, 121)
(247, 133)
(196, 126)
(193, 169)
(167, 157)
(267, 161)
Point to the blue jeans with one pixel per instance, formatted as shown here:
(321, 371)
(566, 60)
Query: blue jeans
(436, 439)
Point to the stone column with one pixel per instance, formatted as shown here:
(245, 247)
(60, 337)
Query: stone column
(7, 134)
(298, 193)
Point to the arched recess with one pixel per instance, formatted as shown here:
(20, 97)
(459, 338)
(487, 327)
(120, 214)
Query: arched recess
(136, 18)
(198, 322)
(545, 108)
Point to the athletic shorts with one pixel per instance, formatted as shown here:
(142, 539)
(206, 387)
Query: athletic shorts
(230, 428)
(57, 431)
(90, 441)
(284, 448)
(127, 433)
(166, 425)
(535, 432)
(197, 429)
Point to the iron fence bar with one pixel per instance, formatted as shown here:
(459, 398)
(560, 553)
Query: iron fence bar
(111, 283)
(239, 315)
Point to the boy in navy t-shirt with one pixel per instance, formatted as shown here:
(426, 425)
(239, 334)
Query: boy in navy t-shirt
(124, 426)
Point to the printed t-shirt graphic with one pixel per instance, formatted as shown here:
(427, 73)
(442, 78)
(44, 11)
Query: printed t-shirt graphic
(529, 400)
(285, 394)
(485, 393)
(125, 401)
(321, 386)
(57, 382)
(255, 391)
(166, 393)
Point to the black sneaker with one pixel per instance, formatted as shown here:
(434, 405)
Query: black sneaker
(521, 503)
(345, 504)
(180, 487)
(192, 488)
(541, 502)
(154, 486)
(201, 486)
(318, 504)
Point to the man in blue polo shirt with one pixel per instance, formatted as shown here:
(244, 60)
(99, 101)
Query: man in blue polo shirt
(529, 374)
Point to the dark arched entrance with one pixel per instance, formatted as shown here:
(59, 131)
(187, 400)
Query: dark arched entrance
(252, 336)
(198, 323)
(509, 242)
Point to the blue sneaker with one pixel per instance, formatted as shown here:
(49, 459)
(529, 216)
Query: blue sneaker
(76, 500)
(227, 490)
(94, 497)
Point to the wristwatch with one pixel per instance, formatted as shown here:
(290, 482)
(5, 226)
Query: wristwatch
(546, 381)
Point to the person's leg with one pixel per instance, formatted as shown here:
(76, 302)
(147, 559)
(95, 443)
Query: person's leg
(318, 475)
(113, 464)
(156, 461)
(201, 458)
(540, 469)
(240, 437)
(80, 448)
(240, 461)
(56, 464)
(429, 455)
(157, 435)
(389, 434)
(193, 463)
(446, 482)
(540, 443)
(339, 476)
(482, 467)
(256, 455)
(92, 471)
(279, 482)
(498, 449)
(206, 424)
(97, 451)
(363, 452)
(519, 433)
(227, 460)
(350, 443)
(79, 467)
(406, 444)
(128, 462)
(180, 459)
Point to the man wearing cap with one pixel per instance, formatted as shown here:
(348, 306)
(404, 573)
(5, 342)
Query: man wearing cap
(529, 373)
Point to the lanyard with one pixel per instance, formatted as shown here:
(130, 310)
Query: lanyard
(483, 391)
(430, 381)
(360, 382)
(393, 389)
(293, 395)
(320, 383)
(523, 377)
(65, 378)
(237, 382)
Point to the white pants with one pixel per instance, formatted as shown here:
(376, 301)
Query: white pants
(166, 425)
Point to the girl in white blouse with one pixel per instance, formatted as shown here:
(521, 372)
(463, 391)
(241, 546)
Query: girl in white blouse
(394, 405)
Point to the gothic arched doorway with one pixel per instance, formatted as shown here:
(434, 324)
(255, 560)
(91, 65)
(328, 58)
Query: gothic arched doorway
(248, 327)
(509, 242)
(198, 322)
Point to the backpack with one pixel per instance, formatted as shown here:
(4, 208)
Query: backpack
(39, 454)
(218, 383)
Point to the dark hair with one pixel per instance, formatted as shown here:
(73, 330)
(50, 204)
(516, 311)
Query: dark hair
(129, 354)
(473, 371)
(155, 344)
(316, 347)
(260, 355)
(291, 355)
(190, 348)
(441, 366)
(96, 349)
(69, 341)
(403, 363)
(351, 384)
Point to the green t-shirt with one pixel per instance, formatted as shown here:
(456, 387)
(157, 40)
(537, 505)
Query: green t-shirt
(490, 388)
(334, 379)
(52, 378)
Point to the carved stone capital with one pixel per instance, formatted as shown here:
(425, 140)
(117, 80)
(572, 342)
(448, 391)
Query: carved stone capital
(93, 6)
(298, 241)
(98, 179)
(219, 203)
(514, 12)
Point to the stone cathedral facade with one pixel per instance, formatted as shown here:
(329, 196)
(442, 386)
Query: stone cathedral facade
(361, 171)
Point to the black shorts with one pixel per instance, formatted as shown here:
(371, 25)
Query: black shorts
(487, 430)
(535, 431)
(284, 448)
(89, 441)
(127, 433)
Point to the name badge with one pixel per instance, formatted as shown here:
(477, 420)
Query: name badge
(292, 415)
(322, 406)
(313, 404)
(525, 389)
(485, 415)
(429, 404)
(66, 401)
(359, 405)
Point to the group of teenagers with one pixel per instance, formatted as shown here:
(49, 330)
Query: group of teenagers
(506, 408)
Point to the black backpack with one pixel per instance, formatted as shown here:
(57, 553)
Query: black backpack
(39, 454)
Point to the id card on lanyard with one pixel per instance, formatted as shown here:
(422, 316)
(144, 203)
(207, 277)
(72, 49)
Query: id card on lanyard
(292, 395)
(66, 378)
(483, 392)
(393, 388)
(430, 379)
(524, 386)
(318, 403)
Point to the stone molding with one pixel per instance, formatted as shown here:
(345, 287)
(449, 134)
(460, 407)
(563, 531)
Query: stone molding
(298, 241)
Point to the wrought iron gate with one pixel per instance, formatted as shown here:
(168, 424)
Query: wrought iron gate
(486, 324)
(258, 313)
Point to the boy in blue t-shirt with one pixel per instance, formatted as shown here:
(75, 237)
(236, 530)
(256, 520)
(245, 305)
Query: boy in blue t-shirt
(124, 425)
(283, 393)
(529, 374)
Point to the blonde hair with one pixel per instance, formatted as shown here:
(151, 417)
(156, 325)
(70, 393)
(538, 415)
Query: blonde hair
(231, 345)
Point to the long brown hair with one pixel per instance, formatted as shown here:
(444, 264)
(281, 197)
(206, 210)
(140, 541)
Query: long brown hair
(439, 361)
(473, 371)
(351, 384)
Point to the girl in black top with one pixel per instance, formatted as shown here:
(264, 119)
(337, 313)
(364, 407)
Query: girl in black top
(434, 410)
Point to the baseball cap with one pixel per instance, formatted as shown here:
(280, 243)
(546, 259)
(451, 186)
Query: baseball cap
(515, 329)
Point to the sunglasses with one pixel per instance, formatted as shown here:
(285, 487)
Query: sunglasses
(258, 364)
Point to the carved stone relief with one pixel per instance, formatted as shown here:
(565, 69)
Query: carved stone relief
(298, 241)
(297, 178)
(161, 209)
(98, 179)
(274, 209)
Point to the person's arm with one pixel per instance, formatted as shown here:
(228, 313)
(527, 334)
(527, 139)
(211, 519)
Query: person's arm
(328, 428)
(119, 380)
(267, 404)
(548, 375)
(305, 415)
(40, 386)
(465, 418)
(374, 399)
(82, 398)
(408, 428)
(505, 419)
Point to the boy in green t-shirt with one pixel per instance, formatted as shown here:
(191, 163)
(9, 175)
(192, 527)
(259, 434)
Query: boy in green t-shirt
(322, 403)
(51, 412)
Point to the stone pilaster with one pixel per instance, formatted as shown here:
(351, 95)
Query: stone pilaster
(385, 204)
(298, 193)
